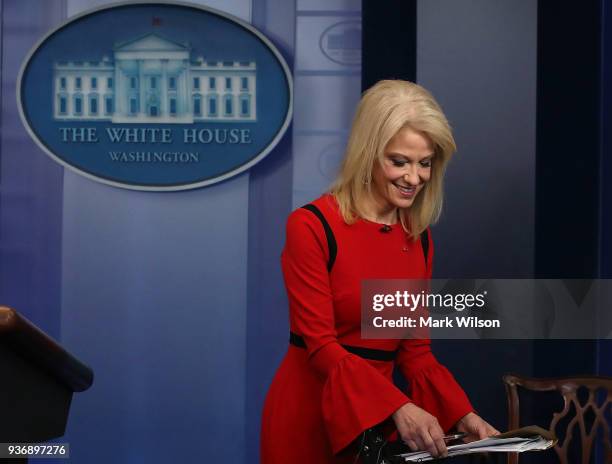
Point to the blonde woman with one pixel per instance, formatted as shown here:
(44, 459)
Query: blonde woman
(373, 224)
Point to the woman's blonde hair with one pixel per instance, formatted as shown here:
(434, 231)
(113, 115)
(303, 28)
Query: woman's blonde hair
(383, 111)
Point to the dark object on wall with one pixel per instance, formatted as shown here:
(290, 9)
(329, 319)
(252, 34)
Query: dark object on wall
(388, 41)
(568, 139)
(38, 380)
(568, 103)
(587, 404)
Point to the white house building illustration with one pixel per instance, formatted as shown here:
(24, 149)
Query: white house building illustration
(154, 80)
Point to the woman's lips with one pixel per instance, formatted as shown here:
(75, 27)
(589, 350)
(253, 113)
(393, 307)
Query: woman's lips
(405, 191)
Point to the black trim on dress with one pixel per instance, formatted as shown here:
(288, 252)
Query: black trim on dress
(332, 246)
(366, 353)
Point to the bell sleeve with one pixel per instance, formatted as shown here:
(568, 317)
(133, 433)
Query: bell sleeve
(355, 395)
(430, 385)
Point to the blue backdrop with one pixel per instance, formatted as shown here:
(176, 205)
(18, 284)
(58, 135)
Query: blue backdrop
(175, 299)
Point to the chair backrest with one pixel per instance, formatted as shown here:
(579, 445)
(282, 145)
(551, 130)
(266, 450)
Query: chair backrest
(594, 412)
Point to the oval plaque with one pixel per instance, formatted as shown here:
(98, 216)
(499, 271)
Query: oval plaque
(155, 96)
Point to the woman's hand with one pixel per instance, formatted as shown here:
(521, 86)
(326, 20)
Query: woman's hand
(475, 427)
(420, 430)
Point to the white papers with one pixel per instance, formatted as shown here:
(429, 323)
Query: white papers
(495, 445)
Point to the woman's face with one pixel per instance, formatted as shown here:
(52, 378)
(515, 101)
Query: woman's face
(405, 168)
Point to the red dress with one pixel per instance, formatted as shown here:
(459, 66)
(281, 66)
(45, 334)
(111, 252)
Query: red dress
(322, 397)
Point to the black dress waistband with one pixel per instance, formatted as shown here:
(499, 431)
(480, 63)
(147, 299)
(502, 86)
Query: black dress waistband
(366, 353)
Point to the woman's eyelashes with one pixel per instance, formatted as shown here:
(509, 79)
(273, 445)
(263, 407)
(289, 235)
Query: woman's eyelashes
(399, 163)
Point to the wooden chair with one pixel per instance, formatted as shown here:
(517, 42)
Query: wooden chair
(597, 418)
